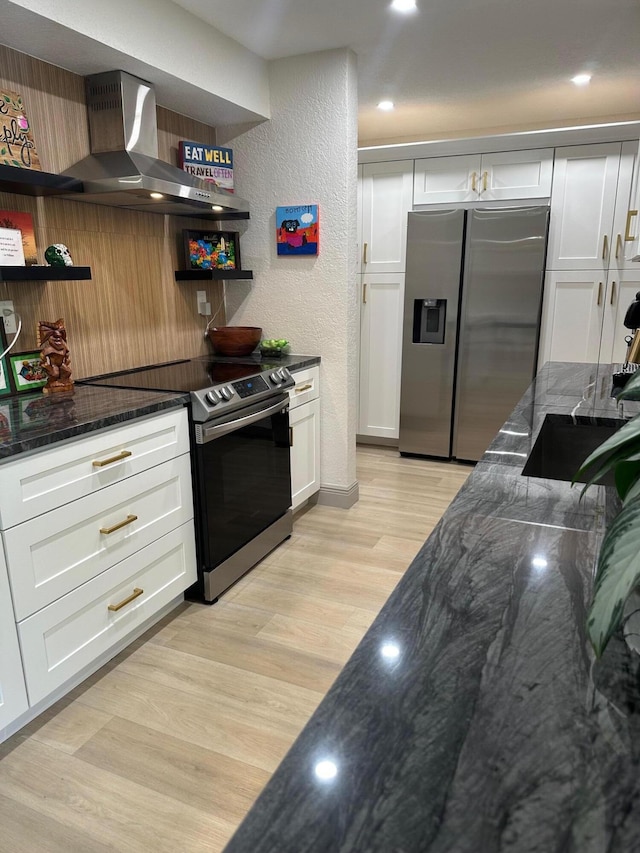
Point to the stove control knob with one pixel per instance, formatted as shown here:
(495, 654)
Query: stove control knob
(226, 392)
(274, 378)
(283, 374)
(212, 398)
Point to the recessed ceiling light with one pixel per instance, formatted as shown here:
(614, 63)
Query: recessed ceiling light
(581, 79)
(404, 5)
(156, 195)
(385, 105)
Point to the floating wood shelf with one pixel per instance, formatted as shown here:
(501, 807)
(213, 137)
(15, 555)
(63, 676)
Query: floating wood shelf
(44, 273)
(213, 275)
(32, 182)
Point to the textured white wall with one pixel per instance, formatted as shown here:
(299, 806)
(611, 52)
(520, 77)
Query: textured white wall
(306, 153)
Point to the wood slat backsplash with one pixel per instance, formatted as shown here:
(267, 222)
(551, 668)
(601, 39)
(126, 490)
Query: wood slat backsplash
(132, 312)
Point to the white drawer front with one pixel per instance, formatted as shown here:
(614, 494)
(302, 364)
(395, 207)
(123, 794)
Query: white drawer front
(53, 554)
(60, 640)
(42, 481)
(307, 387)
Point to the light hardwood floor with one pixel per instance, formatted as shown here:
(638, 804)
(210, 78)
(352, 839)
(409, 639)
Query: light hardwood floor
(167, 747)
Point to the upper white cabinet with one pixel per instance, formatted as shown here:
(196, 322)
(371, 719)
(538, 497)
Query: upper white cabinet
(626, 228)
(583, 203)
(380, 354)
(13, 695)
(387, 189)
(507, 175)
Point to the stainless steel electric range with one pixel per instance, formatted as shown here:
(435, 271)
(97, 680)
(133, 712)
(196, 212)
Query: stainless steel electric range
(240, 442)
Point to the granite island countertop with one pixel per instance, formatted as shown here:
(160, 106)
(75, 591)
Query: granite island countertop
(473, 717)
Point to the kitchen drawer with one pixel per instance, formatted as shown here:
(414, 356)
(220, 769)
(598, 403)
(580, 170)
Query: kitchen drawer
(53, 554)
(49, 478)
(307, 386)
(68, 635)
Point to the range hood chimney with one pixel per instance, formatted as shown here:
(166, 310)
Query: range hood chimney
(123, 169)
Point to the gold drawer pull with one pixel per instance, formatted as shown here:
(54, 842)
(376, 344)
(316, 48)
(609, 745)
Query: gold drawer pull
(618, 246)
(364, 253)
(605, 247)
(100, 463)
(290, 436)
(136, 592)
(473, 181)
(128, 520)
(364, 293)
(485, 175)
(613, 293)
(599, 293)
(628, 236)
(300, 388)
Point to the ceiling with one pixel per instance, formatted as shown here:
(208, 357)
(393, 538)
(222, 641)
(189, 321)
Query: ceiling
(458, 67)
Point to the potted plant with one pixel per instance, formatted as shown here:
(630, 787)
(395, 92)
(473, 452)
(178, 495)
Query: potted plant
(618, 569)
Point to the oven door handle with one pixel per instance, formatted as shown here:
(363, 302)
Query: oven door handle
(209, 433)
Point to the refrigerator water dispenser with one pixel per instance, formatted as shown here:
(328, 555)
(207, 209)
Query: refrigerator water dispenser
(429, 318)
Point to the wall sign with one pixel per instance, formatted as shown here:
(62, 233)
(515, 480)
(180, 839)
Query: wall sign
(207, 162)
(17, 147)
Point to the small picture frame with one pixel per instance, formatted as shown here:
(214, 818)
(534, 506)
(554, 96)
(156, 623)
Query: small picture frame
(212, 250)
(25, 371)
(297, 230)
(5, 382)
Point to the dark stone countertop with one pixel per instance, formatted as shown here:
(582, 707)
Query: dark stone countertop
(34, 421)
(472, 717)
(291, 361)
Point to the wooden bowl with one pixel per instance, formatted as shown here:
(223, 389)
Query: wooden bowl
(234, 340)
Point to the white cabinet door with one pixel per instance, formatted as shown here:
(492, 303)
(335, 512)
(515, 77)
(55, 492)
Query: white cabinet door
(625, 221)
(583, 200)
(621, 292)
(572, 316)
(516, 174)
(386, 199)
(305, 451)
(13, 695)
(380, 355)
(445, 180)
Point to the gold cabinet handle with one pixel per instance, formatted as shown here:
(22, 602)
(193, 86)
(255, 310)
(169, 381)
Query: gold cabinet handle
(128, 520)
(100, 463)
(485, 175)
(290, 436)
(599, 293)
(473, 181)
(300, 388)
(364, 254)
(613, 293)
(135, 594)
(618, 245)
(364, 293)
(628, 236)
(605, 247)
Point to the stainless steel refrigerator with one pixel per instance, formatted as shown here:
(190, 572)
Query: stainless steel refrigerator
(473, 299)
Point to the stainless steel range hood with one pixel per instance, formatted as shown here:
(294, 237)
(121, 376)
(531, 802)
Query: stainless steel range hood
(123, 169)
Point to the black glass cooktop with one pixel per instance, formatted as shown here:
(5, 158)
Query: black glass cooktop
(181, 376)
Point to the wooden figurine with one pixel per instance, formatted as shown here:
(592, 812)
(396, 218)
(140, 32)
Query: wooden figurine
(54, 356)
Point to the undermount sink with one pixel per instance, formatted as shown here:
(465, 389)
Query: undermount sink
(564, 442)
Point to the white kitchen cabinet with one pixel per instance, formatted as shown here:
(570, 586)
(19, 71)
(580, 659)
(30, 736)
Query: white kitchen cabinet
(621, 292)
(387, 190)
(626, 228)
(381, 312)
(304, 423)
(572, 316)
(583, 202)
(98, 535)
(506, 175)
(13, 695)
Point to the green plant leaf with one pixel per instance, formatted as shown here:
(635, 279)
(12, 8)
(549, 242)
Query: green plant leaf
(633, 493)
(631, 390)
(617, 574)
(627, 434)
(627, 473)
(627, 453)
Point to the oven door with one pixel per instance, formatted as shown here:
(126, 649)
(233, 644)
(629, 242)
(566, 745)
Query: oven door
(243, 478)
